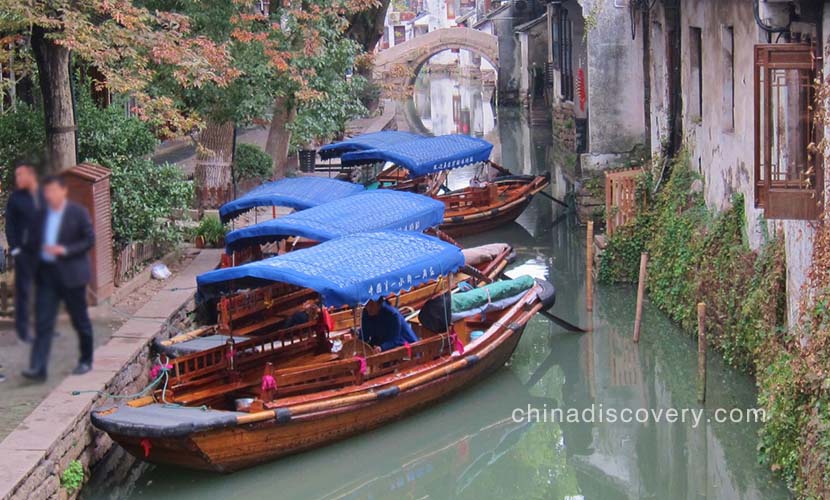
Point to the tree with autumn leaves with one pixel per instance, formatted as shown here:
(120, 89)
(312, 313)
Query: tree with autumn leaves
(128, 45)
(211, 65)
(292, 62)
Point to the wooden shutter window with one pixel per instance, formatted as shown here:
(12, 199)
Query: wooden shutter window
(788, 176)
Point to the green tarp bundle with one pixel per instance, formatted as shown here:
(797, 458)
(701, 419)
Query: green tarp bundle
(494, 292)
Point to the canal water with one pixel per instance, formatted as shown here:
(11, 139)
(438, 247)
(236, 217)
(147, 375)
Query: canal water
(477, 445)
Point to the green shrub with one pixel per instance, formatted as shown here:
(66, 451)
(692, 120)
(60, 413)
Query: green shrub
(22, 138)
(251, 163)
(143, 196)
(108, 136)
(212, 230)
(73, 477)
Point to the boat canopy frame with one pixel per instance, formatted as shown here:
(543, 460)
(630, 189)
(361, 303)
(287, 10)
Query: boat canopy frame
(376, 210)
(363, 142)
(347, 271)
(298, 193)
(426, 155)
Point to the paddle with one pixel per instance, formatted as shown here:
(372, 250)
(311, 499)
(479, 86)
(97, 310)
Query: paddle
(554, 199)
(563, 323)
(550, 316)
(567, 325)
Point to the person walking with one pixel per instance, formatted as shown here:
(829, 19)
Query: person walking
(23, 212)
(63, 272)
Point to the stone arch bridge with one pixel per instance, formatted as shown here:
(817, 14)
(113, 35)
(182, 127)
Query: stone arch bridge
(397, 67)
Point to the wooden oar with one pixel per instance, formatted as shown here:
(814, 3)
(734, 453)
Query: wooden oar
(543, 192)
(553, 198)
(563, 323)
(567, 325)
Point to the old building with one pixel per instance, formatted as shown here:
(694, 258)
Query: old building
(734, 83)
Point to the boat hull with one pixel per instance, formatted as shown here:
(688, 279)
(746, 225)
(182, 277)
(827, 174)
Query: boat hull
(496, 214)
(230, 449)
(461, 227)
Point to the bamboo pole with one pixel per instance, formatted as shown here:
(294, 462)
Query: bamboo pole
(641, 290)
(440, 371)
(589, 267)
(701, 352)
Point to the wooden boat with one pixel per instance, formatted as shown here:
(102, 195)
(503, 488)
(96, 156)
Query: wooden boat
(268, 308)
(307, 395)
(399, 179)
(472, 209)
(298, 193)
(477, 209)
(481, 436)
(262, 310)
(393, 176)
(374, 210)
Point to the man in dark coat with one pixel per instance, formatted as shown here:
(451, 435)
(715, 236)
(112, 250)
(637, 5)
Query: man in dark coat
(384, 327)
(65, 239)
(23, 212)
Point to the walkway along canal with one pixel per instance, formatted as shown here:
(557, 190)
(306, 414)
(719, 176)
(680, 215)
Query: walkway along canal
(478, 444)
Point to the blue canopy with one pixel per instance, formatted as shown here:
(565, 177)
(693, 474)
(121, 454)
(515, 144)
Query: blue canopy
(373, 140)
(347, 271)
(369, 211)
(298, 193)
(427, 155)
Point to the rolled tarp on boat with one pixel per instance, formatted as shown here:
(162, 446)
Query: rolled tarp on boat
(484, 253)
(492, 297)
(347, 271)
(426, 155)
(298, 193)
(364, 212)
(373, 140)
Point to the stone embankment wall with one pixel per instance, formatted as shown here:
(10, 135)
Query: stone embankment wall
(34, 456)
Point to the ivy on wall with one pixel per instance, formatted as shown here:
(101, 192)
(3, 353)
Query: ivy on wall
(697, 255)
(794, 385)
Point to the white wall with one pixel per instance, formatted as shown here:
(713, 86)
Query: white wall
(615, 70)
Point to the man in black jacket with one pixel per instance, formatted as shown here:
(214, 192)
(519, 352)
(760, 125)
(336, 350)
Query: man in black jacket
(65, 239)
(23, 212)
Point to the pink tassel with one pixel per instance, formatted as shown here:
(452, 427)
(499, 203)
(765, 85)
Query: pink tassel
(408, 349)
(231, 353)
(155, 371)
(268, 383)
(363, 365)
(456, 344)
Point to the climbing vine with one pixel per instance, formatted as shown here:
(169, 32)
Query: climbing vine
(794, 386)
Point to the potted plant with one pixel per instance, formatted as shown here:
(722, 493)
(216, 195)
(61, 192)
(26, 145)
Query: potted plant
(305, 136)
(320, 120)
(210, 233)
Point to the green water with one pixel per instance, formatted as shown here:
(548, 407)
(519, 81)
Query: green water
(471, 447)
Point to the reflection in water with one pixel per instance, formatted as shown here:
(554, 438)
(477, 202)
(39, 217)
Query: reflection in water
(469, 446)
(446, 105)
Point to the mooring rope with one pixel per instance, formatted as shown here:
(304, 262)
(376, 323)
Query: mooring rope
(161, 375)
